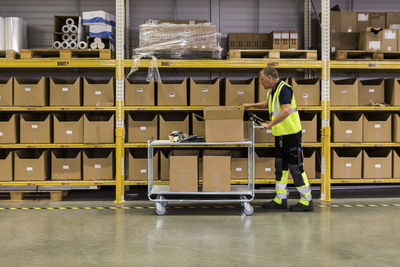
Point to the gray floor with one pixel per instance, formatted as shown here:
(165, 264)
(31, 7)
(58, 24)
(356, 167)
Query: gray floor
(331, 236)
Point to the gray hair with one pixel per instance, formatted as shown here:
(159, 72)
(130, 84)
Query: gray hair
(271, 71)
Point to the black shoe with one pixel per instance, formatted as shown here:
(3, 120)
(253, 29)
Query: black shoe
(302, 207)
(272, 205)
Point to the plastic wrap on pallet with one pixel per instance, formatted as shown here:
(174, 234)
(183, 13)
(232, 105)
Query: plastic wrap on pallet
(2, 35)
(190, 40)
(16, 33)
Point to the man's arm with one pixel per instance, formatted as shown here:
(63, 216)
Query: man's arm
(280, 117)
(261, 105)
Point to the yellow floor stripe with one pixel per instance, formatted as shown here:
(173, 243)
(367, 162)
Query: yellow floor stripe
(372, 205)
(396, 205)
(361, 206)
(347, 206)
(335, 206)
(100, 208)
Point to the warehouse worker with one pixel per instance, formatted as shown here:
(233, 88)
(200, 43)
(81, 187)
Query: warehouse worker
(286, 128)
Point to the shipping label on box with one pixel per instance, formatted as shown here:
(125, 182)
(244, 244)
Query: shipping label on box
(276, 40)
(285, 40)
(389, 41)
(371, 39)
(139, 93)
(363, 21)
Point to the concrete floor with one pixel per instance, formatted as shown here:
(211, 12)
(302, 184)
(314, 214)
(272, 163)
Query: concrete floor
(331, 236)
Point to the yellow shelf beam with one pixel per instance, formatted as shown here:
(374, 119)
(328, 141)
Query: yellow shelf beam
(57, 183)
(364, 108)
(242, 181)
(144, 145)
(48, 108)
(44, 146)
(391, 144)
(57, 63)
(364, 181)
(366, 65)
(200, 108)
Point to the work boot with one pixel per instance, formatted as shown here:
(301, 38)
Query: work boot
(301, 207)
(272, 205)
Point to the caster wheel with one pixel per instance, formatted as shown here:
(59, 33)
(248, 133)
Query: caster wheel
(162, 201)
(160, 209)
(248, 209)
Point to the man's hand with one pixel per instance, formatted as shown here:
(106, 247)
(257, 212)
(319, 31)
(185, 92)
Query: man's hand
(266, 125)
(247, 105)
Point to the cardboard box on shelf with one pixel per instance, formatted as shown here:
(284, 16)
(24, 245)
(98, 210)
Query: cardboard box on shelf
(239, 165)
(371, 39)
(6, 91)
(309, 124)
(276, 40)
(31, 165)
(65, 92)
(264, 164)
(66, 164)
(378, 19)
(389, 40)
(68, 128)
(239, 92)
(164, 165)
(346, 163)
(98, 92)
(6, 165)
(198, 125)
(8, 128)
(232, 41)
(216, 171)
(396, 163)
(371, 91)
(35, 128)
(30, 92)
(294, 40)
(343, 21)
(241, 40)
(172, 93)
(344, 92)
(257, 41)
(285, 40)
(219, 119)
(183, 171)
(396, 128)
(249, 40)
(98, 128)
(307, 92)
(363, 21)
(393, 20)
(392, 92)
(204, 93)
(377, 163)
(173, 122)
(138, 167)
(347, 128)
(98, 165)
(142, 127)
(344, 41)
(377, 127)
(139, 93)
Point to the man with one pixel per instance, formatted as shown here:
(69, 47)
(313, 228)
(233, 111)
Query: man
(286, 128)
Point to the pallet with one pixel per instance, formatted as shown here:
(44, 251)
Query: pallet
(66, 53)
(8, 54)
(357, 54)
(272, 54)
(33, 195)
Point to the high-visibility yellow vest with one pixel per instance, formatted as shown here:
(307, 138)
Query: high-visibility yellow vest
(291, 124)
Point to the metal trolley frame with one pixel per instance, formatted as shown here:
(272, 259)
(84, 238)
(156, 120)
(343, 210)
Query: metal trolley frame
(243, 194)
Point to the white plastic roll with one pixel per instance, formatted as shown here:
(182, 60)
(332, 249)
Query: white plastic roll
(66, 37)
(73, 45)
(65, 29)
(93, 45)
(97, 40)
(82, 45)
(101, 45)
(57, 45)
(70, 21)
(73, 28)
(73, 37)
(2, 35)
(15, 33)
(64, 45)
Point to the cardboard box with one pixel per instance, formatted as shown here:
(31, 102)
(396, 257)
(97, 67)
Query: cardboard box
(66, 165)
(142, 127)
(377, 127)
(392, 92)
(396, 163)
(389, 40)
(64, 92)
(30, 92)
(239, 92)
(241, 40)
(8, 128)
(173, 122)
(218, 119)
(216, 171)
(164, 165)
(392, 20)
(309, 165)
(261, 135)
(294, 40)
(249, 40)
(35, 128)
(346, 163)
(98, 165)
(370, 39)
(307, 92)
(264, 164)
(371, 91)
(6, 165)
(276, 40)
(239, 165)
(309, 124)
(31, 165)
(99, 92)
(343, 21)
(378, 19)
(172, 93)
(377, 163)
(139, 93)
(363, 21)
(396, 128)
(347, 128)
(98, 129)
(6, 92)
(138, 165)
(257, 41)
(344, 92)
(285, 41)
(204, 93)
(183, 171)
(198, 125)
(344, 41)
(265, 41)
(68, 128)
(232, 41)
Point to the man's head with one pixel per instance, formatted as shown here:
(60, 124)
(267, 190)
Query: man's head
(269, 77)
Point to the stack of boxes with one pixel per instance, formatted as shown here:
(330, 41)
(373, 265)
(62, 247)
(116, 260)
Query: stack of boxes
(101, 25)
(280, 40)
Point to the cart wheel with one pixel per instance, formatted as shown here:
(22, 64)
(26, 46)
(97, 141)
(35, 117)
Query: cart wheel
(160, 209)
(163, 202)
(247, 209)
